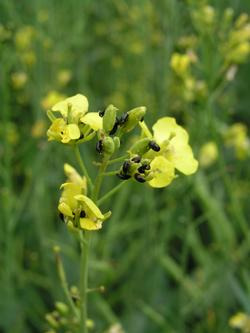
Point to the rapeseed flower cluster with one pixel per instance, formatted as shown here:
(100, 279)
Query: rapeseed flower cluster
(154, 159)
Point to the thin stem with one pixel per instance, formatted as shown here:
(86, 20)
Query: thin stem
(99, 178)
(110, 173)
(83, 285)
(83, 167)
(118, 159)
(64, 283)
(110, 193)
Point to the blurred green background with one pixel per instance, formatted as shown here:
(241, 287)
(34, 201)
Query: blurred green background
(171, 260)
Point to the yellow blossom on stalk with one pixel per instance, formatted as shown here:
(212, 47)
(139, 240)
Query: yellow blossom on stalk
(64, 76)
(180, 63)
(67, 129)
(74, 185)
(38, 129)
(28, 58)
(51, 98)
(77, 209)
(240, 321)
(19, 79)
(24, 37)
(236, 137)
(208, 154)
(174, 151)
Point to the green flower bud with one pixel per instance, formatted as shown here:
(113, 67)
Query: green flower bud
(51, 320)
(109, 118)
(117, 142)
(140, 147)
(62, 308)
(108, 146)
(134, 116)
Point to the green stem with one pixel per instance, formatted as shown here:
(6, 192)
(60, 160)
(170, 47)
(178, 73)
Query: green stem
(110, 173)
(118, 159)
(64, 283)
(110, 193)
(99, 178)
(83, 287)
(83, 167)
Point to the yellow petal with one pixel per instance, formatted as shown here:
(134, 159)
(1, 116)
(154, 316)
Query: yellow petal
(78, 103)
(65, 209)
(88, 224)
(90, 205)
(73, 131)
(182, 156)
(166, 128)
(56, 129)
(93, 120)
(74, 177)
(70, 190)
(163, 172)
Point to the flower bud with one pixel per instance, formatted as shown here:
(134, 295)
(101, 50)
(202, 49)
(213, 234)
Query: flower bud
(140, 147)
(108, 146)
(51, 320)
(109, 118)
(133, 118)
(117, 142)
(62, 308)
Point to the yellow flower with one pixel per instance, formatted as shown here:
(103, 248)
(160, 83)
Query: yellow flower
(74, 185)
(64, 76)
(77, 209)
(75, 122)
(236, 137)
(180, 63)
(38, 129)
(173, 153)
(73, 107)
(241, 321)
(24, 37)
(51, 99)
(208, 154)
(93, 218)
(173, 140)
(60, 131)
(19, 79)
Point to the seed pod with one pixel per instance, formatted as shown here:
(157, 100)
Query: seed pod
(109, 118)
(139, 178)
(154, 146)
(133, 118)
(99, 146)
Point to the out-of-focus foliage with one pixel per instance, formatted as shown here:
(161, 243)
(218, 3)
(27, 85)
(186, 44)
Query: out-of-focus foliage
(172, 260)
